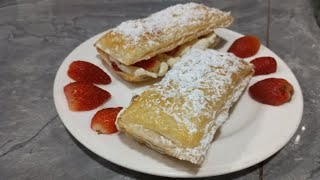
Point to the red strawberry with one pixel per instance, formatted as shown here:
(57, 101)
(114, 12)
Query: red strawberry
(104, 121)
(86, 72)
(173, 51)
(264, 65)
(272, 91)
(147, 64)
(245, 46)
(115, 67)
(82, 96)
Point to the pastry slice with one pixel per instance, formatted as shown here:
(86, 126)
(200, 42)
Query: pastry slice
(139, 50)
(179, 115)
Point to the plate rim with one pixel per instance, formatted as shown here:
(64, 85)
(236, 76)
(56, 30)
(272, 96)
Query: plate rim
(168, 174)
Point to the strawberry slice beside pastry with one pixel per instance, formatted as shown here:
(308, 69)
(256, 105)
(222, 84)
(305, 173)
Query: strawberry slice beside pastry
(82, 96)
(86, 72)
(245, 46)
(104, 120)
(264, 65)
(272, 91)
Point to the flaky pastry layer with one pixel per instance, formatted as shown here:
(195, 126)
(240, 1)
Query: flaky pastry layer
(137, 74)
(179, 115)
(136, 40)
(164, 145)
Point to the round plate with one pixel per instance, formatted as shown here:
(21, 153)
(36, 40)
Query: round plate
(253, 132)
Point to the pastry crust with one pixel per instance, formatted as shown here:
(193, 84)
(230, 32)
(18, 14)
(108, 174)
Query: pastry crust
(179, 115)
(141, 39)
(123, 75)
(208, 41)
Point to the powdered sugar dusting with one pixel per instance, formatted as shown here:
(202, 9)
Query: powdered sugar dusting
(197, 154)
(200, 79)
(174, 16)
(192, 101)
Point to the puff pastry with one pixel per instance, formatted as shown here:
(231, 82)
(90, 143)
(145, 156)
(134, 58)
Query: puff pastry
(179, 115)
(138, 40)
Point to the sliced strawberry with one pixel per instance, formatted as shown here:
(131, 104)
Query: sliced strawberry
(115, 67)
(173, 51)
(272, 91)
(264, 65)
(82, 96)
(147, 64)
(83, 71)
(104, 121)
(245, 46)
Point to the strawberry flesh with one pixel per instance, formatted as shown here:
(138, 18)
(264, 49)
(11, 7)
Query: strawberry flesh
(264, 65)
(115, 67)
(82, 96)
(104, 120)
(146, 64)
(173, 51)
(245, 46)
(272, 91)
(83, 71)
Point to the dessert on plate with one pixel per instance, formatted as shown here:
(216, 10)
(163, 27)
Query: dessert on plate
(143, 49)
(179, 115)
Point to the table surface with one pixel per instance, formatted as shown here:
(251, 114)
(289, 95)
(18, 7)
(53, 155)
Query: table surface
(36, 35)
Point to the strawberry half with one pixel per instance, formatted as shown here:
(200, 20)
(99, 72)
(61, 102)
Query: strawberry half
(147, 64)
(245, 46)
(264, 65)
(115, 67)
(104, 121)
(173, 51)
(82, 96)
(272, 91)
(83, 71)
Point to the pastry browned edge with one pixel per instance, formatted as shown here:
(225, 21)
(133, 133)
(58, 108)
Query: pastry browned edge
(179, 115)
(179, 26)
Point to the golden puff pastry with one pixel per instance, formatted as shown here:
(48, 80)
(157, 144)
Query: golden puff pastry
(163, 61)
(179, 115)
(139, 40)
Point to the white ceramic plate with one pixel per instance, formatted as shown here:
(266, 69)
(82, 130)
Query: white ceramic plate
(253, 132)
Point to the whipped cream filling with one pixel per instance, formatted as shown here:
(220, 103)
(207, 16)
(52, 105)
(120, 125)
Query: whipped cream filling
(167, 61)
